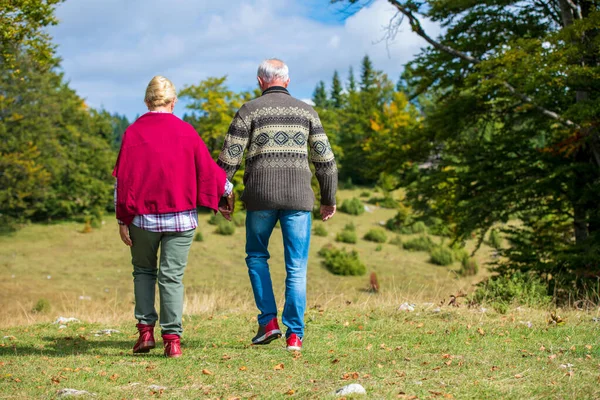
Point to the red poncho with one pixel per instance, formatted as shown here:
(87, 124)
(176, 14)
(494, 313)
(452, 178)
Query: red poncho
(164, 166)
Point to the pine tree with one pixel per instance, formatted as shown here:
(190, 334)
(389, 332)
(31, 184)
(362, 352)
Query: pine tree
(320, 95)
(337, 97)
(367, 74)
(351, 81)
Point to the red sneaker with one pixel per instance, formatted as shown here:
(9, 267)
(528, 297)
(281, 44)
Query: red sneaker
(172, 345)
(267, 333)
(294, 343)
(146, 340)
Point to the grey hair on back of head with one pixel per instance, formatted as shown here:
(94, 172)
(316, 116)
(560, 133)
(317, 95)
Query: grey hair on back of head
(273, 69)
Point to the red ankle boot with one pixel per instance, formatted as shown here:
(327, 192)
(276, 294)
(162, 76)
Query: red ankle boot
(172, 345)
(146, 340)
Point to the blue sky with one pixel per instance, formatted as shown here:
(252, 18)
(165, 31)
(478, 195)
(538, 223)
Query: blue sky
(112, 48)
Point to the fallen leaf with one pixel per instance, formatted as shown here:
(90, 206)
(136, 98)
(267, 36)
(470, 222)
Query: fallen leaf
(355, 375)
(552, 356)
(114, 377)
(335, 361)
(279, 367)
(369, 346)
(518, 376)
(290, 392)
(495, 368)
(448, 363)
(243, 368)
(480, 331)
(206, 372)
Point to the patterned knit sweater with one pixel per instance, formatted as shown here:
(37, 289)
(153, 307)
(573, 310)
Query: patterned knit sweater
(280, 134)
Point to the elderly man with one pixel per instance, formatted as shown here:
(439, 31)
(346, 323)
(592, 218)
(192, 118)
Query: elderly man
(280, 134)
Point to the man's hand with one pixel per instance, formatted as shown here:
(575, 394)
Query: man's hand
(227, 206)
(327, 212)
(124, 232)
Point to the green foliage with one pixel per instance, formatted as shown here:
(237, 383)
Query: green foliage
(350, 227)
(42, 307)
(469, 267)
(400, 220)
(365, 194)
(320, 95)
(319, 230)
(225, 228)
(55, 153)
(421, 243)
(199, 237)
(379, 247)
(519, 288)
(346, 236)
(376, 235)
(495, 240)
(441, 255)
(239, 219)
(216, 219)
(352, 206)
(341, 262)
(396, 240)
(461, 254)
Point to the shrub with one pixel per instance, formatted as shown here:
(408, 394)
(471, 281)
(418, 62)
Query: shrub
(216, 219)
(441, 255)
(365, 194)
(419, 227)
(421, 243)
(519, 288)
(199, 237)
(352, 206)
(347, 184)
(239, 219)
(384, 202)
(400, 220)
(376, 235)
(341, 262)
(319, 230)
(379, 247)
(350, 227)
(469, 267)
(437, 227)
(225, 228)
(495, 240)
(396, 240)
(346, 236)
(325, 250)
(42, 307)
(461, 254)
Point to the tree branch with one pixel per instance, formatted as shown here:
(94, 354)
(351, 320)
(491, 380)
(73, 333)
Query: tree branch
(418, 29)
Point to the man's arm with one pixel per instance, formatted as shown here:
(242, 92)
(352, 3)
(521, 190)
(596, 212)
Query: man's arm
(325, 168)
(234, 146)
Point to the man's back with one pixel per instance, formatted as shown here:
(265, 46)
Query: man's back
(280, 135)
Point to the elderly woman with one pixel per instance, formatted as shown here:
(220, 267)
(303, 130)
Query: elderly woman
(164, 171)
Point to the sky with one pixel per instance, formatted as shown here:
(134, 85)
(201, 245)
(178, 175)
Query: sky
(110, 49)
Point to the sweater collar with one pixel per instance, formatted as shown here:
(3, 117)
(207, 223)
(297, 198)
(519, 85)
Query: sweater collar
(276, 89)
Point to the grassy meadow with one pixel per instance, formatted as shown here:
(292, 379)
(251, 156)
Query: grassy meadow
(352, 335)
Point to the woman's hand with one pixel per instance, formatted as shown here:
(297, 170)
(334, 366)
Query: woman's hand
(124, 232)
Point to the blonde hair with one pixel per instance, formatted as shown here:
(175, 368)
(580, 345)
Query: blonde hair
(160, 92)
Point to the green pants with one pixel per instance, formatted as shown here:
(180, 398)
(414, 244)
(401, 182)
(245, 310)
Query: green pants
(174, 249)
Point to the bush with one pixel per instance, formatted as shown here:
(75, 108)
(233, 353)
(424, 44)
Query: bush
(519, 288)
(437, 227)
(421, 243)
(396, 240)
(495, 240)
(319, 230)
(346, 236)
(199, 237)
(352, 206)
(365, 194)
(376, 235)
(225, 228)
(400, 220)
(42, 307)
(239, 219)
(350, 227)
(216, 219)
(441, 255)
(461, 254)
(419, 227)
(379, 247)
(341, 262)
(469, 267)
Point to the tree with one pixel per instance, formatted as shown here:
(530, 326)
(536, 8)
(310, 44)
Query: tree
(513, 131)
(213, 107)
(367, 74)
(320, 96)
(337, 97)
(352, 87)
(55, 151)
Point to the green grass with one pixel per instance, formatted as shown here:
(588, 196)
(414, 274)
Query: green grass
(351, 336)
(456, 353)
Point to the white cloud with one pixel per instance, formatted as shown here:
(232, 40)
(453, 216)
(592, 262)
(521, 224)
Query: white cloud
(111, 48)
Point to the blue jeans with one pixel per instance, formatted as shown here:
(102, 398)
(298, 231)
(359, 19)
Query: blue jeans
(295, 227)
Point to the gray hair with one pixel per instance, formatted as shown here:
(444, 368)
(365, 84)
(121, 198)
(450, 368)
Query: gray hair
(273, 69)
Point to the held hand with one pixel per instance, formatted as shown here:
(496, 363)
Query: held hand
(227, 206)
(327, 212)
(124, 232)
